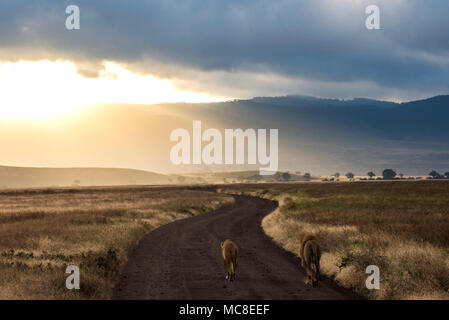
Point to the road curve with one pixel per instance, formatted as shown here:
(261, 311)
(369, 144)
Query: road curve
(182, 260)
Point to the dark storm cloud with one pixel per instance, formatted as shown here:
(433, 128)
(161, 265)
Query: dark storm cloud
(321, 41)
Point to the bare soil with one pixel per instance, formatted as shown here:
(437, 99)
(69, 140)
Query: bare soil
(182, 260)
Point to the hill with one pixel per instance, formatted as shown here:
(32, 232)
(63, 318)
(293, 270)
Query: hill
(22, 177)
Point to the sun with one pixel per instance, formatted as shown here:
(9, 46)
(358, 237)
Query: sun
(38, 89)
(48, 89)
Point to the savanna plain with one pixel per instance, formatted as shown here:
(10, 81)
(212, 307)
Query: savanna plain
(42, 231)
(400, 226)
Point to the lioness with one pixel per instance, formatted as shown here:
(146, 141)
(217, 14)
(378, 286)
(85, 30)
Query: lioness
(310, 254)
(229, 252)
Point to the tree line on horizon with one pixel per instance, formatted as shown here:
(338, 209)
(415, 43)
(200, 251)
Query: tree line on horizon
(389, 174)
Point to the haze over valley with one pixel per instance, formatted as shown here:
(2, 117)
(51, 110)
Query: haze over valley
(320, 136)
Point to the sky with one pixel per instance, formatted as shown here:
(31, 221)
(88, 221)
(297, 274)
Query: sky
(193, 50)
(147, 52)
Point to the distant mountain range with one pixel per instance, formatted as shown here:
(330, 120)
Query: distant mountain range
(320, 136)
(422, 120)
(327, 135)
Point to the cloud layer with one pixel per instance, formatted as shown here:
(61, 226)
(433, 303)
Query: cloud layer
(243, 48)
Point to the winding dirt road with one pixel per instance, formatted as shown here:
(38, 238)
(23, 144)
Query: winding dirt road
(182, 260)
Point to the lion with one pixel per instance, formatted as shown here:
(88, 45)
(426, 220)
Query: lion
(310, 254)
(229, 252)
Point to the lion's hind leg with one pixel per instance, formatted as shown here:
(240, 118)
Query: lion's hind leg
(307, 264)
(232, 269)
(317, 270)
(226, 266)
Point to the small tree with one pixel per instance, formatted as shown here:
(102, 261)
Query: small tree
(286, 176)
(401, 175)
(371, 174)
(350, 175)
(389, 174)
(336, 175)
(434, 174)
(307, 176)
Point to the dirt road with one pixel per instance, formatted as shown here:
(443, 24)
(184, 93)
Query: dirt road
(182, 260)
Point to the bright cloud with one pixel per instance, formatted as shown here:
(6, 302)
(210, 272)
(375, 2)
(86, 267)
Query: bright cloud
(43, 89)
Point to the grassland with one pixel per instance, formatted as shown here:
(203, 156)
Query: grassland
(42, 231)
(402, 227)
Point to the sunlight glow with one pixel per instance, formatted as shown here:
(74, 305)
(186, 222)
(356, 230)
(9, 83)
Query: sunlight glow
(45, 89)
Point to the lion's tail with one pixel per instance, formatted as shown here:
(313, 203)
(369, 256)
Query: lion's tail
(317, 267)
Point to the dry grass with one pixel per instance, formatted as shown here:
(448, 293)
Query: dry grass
(42, 231)
(402, 227)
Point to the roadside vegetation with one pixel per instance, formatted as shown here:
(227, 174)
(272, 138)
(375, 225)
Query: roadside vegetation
(401, 227)
(42, 231)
